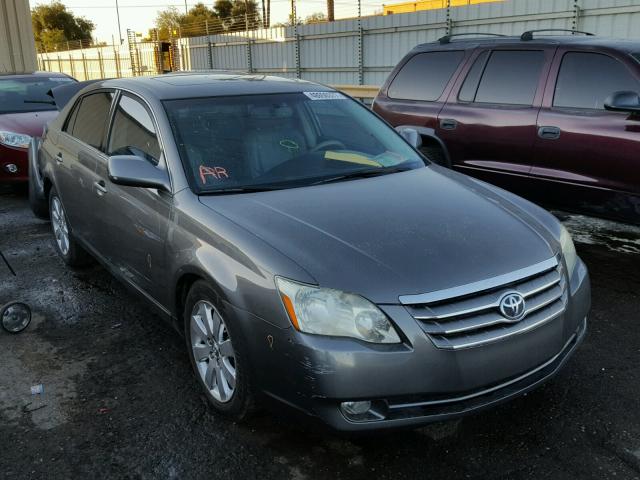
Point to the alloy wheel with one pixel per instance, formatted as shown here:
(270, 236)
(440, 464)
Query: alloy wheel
(60, 228)
(213, 351)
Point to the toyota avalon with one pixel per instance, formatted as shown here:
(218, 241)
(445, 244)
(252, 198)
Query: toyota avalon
(308, 252)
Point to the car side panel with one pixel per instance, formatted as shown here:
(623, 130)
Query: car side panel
(492, 141)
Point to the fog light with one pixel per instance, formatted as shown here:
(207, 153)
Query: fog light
(355, 408)
(11, 167)
(15, 317)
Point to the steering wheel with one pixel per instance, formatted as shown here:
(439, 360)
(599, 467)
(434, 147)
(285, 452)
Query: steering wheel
(328, 143)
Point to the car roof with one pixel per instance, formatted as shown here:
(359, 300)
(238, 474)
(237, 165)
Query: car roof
(457, 43)
(33, 74)
(209, 84)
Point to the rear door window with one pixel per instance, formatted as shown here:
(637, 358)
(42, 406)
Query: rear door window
(586, 80)
(133, 131)
(470, 85)
(511, 77)
(425, 76)
(90, 122)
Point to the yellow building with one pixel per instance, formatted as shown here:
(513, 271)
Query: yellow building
(407, 7)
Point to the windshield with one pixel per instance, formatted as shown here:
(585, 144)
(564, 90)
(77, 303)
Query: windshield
(282, 141)
(28, 94)
(636, 56)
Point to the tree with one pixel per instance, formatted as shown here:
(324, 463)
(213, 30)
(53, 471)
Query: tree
(168, 23)
(199, 20)
(317, 17)
(248, 7)
(223, 8)
(226, 15)
(54, 25)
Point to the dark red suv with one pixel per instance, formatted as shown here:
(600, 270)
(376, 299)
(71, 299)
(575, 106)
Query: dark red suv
(553, 118)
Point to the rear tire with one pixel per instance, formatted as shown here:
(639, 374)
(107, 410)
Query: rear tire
(65, 244)
(436, 155)
(217, 352)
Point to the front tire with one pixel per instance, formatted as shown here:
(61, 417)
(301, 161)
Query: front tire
(217, 352)
(66, 246)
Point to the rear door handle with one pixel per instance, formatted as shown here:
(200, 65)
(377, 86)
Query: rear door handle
(549, 133)
(448, 124)
(59, 157)
(101, 188)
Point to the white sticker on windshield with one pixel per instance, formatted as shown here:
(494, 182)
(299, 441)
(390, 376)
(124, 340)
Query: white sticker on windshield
(325, 95)
(59, 79)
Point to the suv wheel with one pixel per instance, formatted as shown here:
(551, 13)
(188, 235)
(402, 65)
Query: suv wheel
(66, 246)
(217, 353)
(436, 155)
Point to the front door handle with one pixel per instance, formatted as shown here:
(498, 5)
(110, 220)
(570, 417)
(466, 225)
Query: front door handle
(59, 157)
(101, 188)
(549, 133)
(448, 124)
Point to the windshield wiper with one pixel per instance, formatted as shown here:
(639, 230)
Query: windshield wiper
(249, 189)
(46, 102)
(372, 172)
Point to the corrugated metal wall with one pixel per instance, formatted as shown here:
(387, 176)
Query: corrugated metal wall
(363, 51)
(17, 47)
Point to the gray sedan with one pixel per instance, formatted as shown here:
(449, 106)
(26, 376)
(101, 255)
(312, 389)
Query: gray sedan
(307, 252)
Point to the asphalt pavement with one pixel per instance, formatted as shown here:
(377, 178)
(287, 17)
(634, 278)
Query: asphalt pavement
(119, 400)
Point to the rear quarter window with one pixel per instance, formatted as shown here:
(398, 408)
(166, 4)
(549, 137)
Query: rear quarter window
(425, 76)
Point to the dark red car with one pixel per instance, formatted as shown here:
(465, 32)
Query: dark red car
(553, 118)
(25, 108)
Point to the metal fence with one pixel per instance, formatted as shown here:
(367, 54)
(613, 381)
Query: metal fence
(360, 51)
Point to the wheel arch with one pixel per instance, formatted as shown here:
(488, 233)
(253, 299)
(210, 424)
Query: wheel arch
(429, 136)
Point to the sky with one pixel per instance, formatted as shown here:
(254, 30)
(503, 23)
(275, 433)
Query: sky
(139, 15)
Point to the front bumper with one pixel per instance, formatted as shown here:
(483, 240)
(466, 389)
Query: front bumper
(414, 383)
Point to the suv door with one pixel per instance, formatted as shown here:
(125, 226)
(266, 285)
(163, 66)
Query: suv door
(586, 156)
(79, 146)
(134, 221)
(488, 124)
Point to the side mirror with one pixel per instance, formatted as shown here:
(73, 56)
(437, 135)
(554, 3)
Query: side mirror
(623, 102)
(133, 171)
(411, 135)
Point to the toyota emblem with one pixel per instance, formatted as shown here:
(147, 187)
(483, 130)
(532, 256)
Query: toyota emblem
(512, 306)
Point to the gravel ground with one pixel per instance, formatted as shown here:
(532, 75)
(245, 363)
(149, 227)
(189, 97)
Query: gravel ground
(120, 402)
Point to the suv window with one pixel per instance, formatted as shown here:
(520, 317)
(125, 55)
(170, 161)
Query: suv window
(586, 80)
(133, 131)
(90, 122)
(425, 76)
(470, 85)
(511, 77)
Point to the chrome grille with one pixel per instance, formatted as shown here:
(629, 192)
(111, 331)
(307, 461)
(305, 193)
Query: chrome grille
(472, 318)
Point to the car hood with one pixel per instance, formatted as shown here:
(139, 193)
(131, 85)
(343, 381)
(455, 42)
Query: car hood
(399, 234)
(29, 123)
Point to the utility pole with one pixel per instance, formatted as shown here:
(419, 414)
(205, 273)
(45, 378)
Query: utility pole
(186, 10)
(330, 11)
(246, 17)
(119, 30)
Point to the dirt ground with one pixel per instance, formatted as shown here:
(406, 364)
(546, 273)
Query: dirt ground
(119, 399)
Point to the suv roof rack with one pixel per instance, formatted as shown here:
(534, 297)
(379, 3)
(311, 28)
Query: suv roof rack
(447, 38)
(528, 35)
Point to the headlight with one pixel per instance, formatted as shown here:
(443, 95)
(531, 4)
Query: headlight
(15, 139)
(568, 250)
(323, 311)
